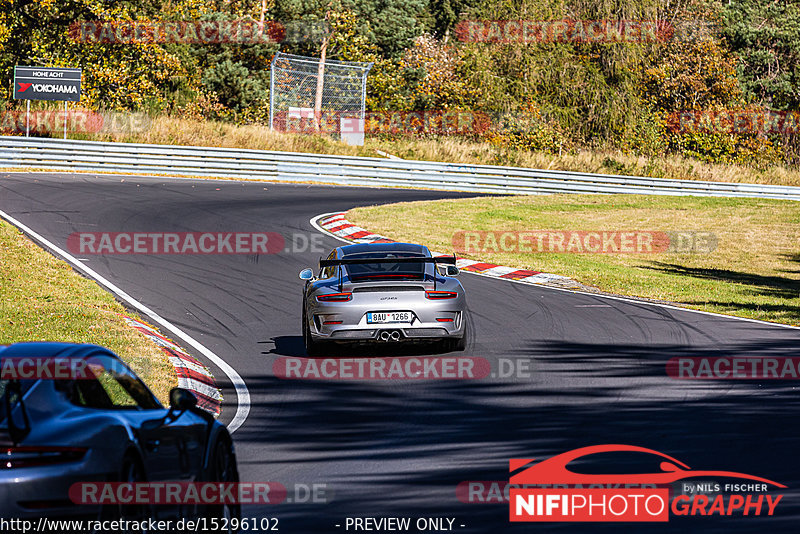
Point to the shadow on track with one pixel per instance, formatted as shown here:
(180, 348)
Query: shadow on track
(403, 449)
(293, 346)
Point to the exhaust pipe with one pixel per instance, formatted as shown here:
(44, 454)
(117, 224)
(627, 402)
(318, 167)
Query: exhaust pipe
(386, 335)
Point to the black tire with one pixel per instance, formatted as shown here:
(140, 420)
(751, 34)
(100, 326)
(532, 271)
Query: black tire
(459, 344)
(131, 471)
(313, 348)
(223, 469)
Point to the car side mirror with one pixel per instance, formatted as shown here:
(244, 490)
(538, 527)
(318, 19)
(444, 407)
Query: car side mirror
(452, 270)
(306, 274)
(182, 399)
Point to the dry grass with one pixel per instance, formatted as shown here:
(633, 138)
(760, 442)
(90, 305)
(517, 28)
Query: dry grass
(753, 272)
(177, 131)
(43, 299)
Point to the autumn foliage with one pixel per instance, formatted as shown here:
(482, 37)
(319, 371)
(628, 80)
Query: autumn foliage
(551, 95)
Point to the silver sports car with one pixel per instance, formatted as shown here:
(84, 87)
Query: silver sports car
(101, 425)
(383, 293)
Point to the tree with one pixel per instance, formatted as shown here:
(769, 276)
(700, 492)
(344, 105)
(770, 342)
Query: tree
(433, 74)
(115, 75)
(236, 73)
(323, 50)
(446, 13)
(766, 38)
(691, 76)
(391, 25)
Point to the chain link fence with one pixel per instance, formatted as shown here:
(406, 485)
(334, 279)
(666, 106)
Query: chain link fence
(294, 95)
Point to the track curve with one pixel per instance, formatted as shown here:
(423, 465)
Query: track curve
(395, 447)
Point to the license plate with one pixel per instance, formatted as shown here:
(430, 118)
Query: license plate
(389, 317)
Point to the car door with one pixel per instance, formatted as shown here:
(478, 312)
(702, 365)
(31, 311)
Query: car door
(185, 434)
(176, 441)
(172, 442)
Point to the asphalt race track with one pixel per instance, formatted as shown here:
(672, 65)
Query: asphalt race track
(389, 448)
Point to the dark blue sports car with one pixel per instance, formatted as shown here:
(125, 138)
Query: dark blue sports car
(98, 423)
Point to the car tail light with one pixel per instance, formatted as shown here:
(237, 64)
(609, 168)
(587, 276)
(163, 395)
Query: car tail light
(439, 295)
(331, 322)
(12, 457)
(445, 319)
(335, 297)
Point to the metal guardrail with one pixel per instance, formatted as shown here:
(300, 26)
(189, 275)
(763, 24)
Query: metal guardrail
(101, 157)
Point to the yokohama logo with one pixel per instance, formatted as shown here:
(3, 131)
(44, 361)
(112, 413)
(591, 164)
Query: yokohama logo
(49, 88)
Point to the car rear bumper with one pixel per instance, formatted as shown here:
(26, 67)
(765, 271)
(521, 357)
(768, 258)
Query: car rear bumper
(390, 332)
(350, 320)
(32, 492)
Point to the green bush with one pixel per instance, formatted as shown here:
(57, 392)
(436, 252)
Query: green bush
(713, 147)
(529, 131)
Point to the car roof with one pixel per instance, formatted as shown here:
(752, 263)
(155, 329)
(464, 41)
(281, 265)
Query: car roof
(51, 349)
(362, 248)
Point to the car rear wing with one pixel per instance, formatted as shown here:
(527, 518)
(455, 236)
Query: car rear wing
(449, 260)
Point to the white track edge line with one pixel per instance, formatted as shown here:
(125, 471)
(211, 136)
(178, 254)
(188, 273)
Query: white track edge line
(242, 394)
(314, 223)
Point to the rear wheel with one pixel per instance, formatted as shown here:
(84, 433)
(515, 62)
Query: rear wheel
(460, 343)
(223, 469)
(130, 472)
(313, 348)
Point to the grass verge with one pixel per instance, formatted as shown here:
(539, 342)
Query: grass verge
(43, 299)
(754, 271)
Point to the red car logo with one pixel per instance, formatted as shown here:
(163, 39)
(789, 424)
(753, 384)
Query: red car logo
(555, 471)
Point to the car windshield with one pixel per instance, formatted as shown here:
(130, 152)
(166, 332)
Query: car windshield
(109, 385)
(385, 270)
(97, 381)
